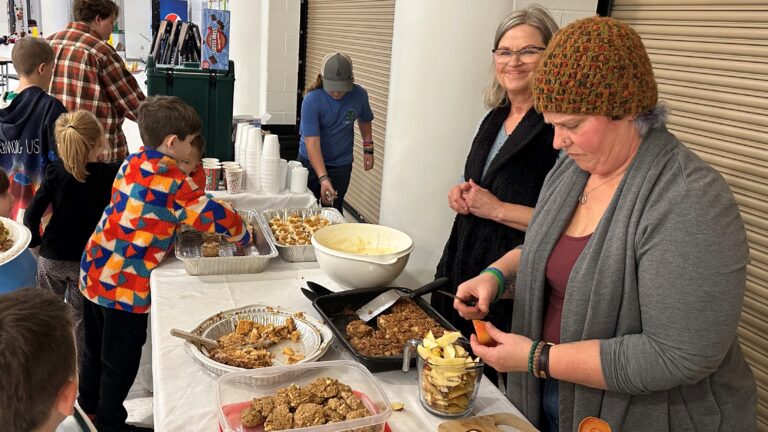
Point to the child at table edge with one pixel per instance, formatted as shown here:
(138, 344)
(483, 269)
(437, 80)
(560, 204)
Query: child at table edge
(38, 366)
(151, 198)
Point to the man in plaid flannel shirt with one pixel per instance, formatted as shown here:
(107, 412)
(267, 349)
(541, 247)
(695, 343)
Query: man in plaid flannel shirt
(90, 75)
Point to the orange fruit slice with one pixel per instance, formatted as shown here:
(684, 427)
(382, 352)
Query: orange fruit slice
(594, 424)
(482, 334)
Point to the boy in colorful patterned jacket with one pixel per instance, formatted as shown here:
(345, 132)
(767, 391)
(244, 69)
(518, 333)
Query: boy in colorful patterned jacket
(151, 197)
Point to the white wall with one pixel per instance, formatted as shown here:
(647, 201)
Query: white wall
(245, 51)
(440, 65)
(280, 67)
(265, 48)
(137, 19)
(4, 27)
(55, 16)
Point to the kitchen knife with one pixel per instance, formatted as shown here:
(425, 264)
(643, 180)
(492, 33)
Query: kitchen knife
(385, 300)
(468, 302)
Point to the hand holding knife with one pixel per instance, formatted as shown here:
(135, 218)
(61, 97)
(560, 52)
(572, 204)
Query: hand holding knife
(469, 302)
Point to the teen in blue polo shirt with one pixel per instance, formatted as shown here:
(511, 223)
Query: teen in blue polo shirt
(328, 114)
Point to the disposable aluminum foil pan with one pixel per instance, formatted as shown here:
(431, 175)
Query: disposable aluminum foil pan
(232, 259)
(316, 337)
(298, 253)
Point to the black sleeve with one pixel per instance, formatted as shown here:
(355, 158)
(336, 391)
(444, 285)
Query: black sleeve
(49, 129)
(37, 207)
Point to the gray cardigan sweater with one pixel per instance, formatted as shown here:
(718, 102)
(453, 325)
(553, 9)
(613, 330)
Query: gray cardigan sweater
(660, 283)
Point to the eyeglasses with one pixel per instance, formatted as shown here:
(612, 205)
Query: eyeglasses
(526, 55)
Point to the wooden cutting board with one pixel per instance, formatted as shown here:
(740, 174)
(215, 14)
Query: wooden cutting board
(487, 424)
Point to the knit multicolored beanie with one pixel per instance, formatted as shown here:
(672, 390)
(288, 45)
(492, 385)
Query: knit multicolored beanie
(595, 66)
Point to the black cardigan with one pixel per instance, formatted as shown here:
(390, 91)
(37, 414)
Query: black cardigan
(515, 175)
(77, 209)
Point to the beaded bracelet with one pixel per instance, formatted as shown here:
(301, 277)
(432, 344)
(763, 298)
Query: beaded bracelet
(536, 359)
(367, 151)
(531, 354)
(499, 278)
(323, 177)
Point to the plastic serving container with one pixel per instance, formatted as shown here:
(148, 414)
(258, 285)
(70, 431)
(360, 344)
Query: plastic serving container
(234, 392)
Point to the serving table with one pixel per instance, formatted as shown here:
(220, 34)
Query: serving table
(185, 394)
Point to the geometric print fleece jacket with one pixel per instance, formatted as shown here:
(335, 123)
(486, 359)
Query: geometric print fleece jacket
(151, 198)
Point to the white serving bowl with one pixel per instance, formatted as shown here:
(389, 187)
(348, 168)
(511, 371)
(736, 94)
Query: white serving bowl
(357, 255)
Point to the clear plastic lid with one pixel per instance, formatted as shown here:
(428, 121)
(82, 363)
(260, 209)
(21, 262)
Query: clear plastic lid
(234, 392)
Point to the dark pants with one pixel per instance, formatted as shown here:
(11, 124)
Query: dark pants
(113, 341)
(550, 406)
(340, 177)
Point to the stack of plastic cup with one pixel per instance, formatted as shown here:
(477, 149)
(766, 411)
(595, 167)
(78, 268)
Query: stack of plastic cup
(240, 141)
(234, 179)
(252, 159)
(283, 176)
(212, 169)
(270, 165)
(291, 166)
(299, 177)
(226, 166)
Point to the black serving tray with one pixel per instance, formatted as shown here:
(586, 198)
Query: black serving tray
(332, 308)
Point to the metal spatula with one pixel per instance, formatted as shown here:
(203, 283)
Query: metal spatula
(385, 300)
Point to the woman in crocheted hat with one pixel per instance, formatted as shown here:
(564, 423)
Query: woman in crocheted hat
(630, 283)
(510, 156)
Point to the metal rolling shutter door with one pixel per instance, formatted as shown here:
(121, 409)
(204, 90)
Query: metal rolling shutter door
(711, 62)
(363, 30)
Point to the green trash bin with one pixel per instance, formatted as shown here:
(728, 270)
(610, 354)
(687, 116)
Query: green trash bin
(209, 92)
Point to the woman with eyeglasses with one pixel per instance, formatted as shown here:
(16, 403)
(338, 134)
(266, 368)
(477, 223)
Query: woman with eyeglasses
(510, 155)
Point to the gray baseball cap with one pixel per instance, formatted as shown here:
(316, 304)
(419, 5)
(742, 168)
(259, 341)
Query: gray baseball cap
(337, 73)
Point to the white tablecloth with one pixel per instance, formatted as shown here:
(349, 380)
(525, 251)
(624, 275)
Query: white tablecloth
(184, 394)
(262, 201)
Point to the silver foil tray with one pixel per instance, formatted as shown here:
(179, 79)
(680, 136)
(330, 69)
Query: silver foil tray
(232, 259)
(300, 253)
(316, 337)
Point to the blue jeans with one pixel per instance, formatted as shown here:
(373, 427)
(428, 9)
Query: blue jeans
(550, 406)
(340, 177)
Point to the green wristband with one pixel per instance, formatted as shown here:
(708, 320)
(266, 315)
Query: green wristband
(499, 278)
(530, 356)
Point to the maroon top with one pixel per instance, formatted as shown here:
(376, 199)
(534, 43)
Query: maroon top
(559, 266)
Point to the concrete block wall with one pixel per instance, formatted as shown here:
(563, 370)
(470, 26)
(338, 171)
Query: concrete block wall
(563, 11)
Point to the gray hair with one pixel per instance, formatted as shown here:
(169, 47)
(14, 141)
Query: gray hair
(535, 16)
(656, 116)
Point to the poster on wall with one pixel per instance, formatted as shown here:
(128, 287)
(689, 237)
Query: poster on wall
(173, 10)
(215, 53)
(20, 17)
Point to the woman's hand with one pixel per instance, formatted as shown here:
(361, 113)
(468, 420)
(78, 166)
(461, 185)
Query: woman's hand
(327, 192)
(510, 353)
(482, 287)
(456, 201)
(481, 202)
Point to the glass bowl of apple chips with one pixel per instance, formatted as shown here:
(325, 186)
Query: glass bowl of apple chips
(448, 376)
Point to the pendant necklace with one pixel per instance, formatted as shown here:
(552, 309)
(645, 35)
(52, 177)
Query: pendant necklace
(583, 196)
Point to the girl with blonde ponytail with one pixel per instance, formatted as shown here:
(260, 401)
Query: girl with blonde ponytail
(77, 186)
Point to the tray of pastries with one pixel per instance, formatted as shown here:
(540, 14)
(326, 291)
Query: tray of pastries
(205, 253)
(291, 229)
(259, 336)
